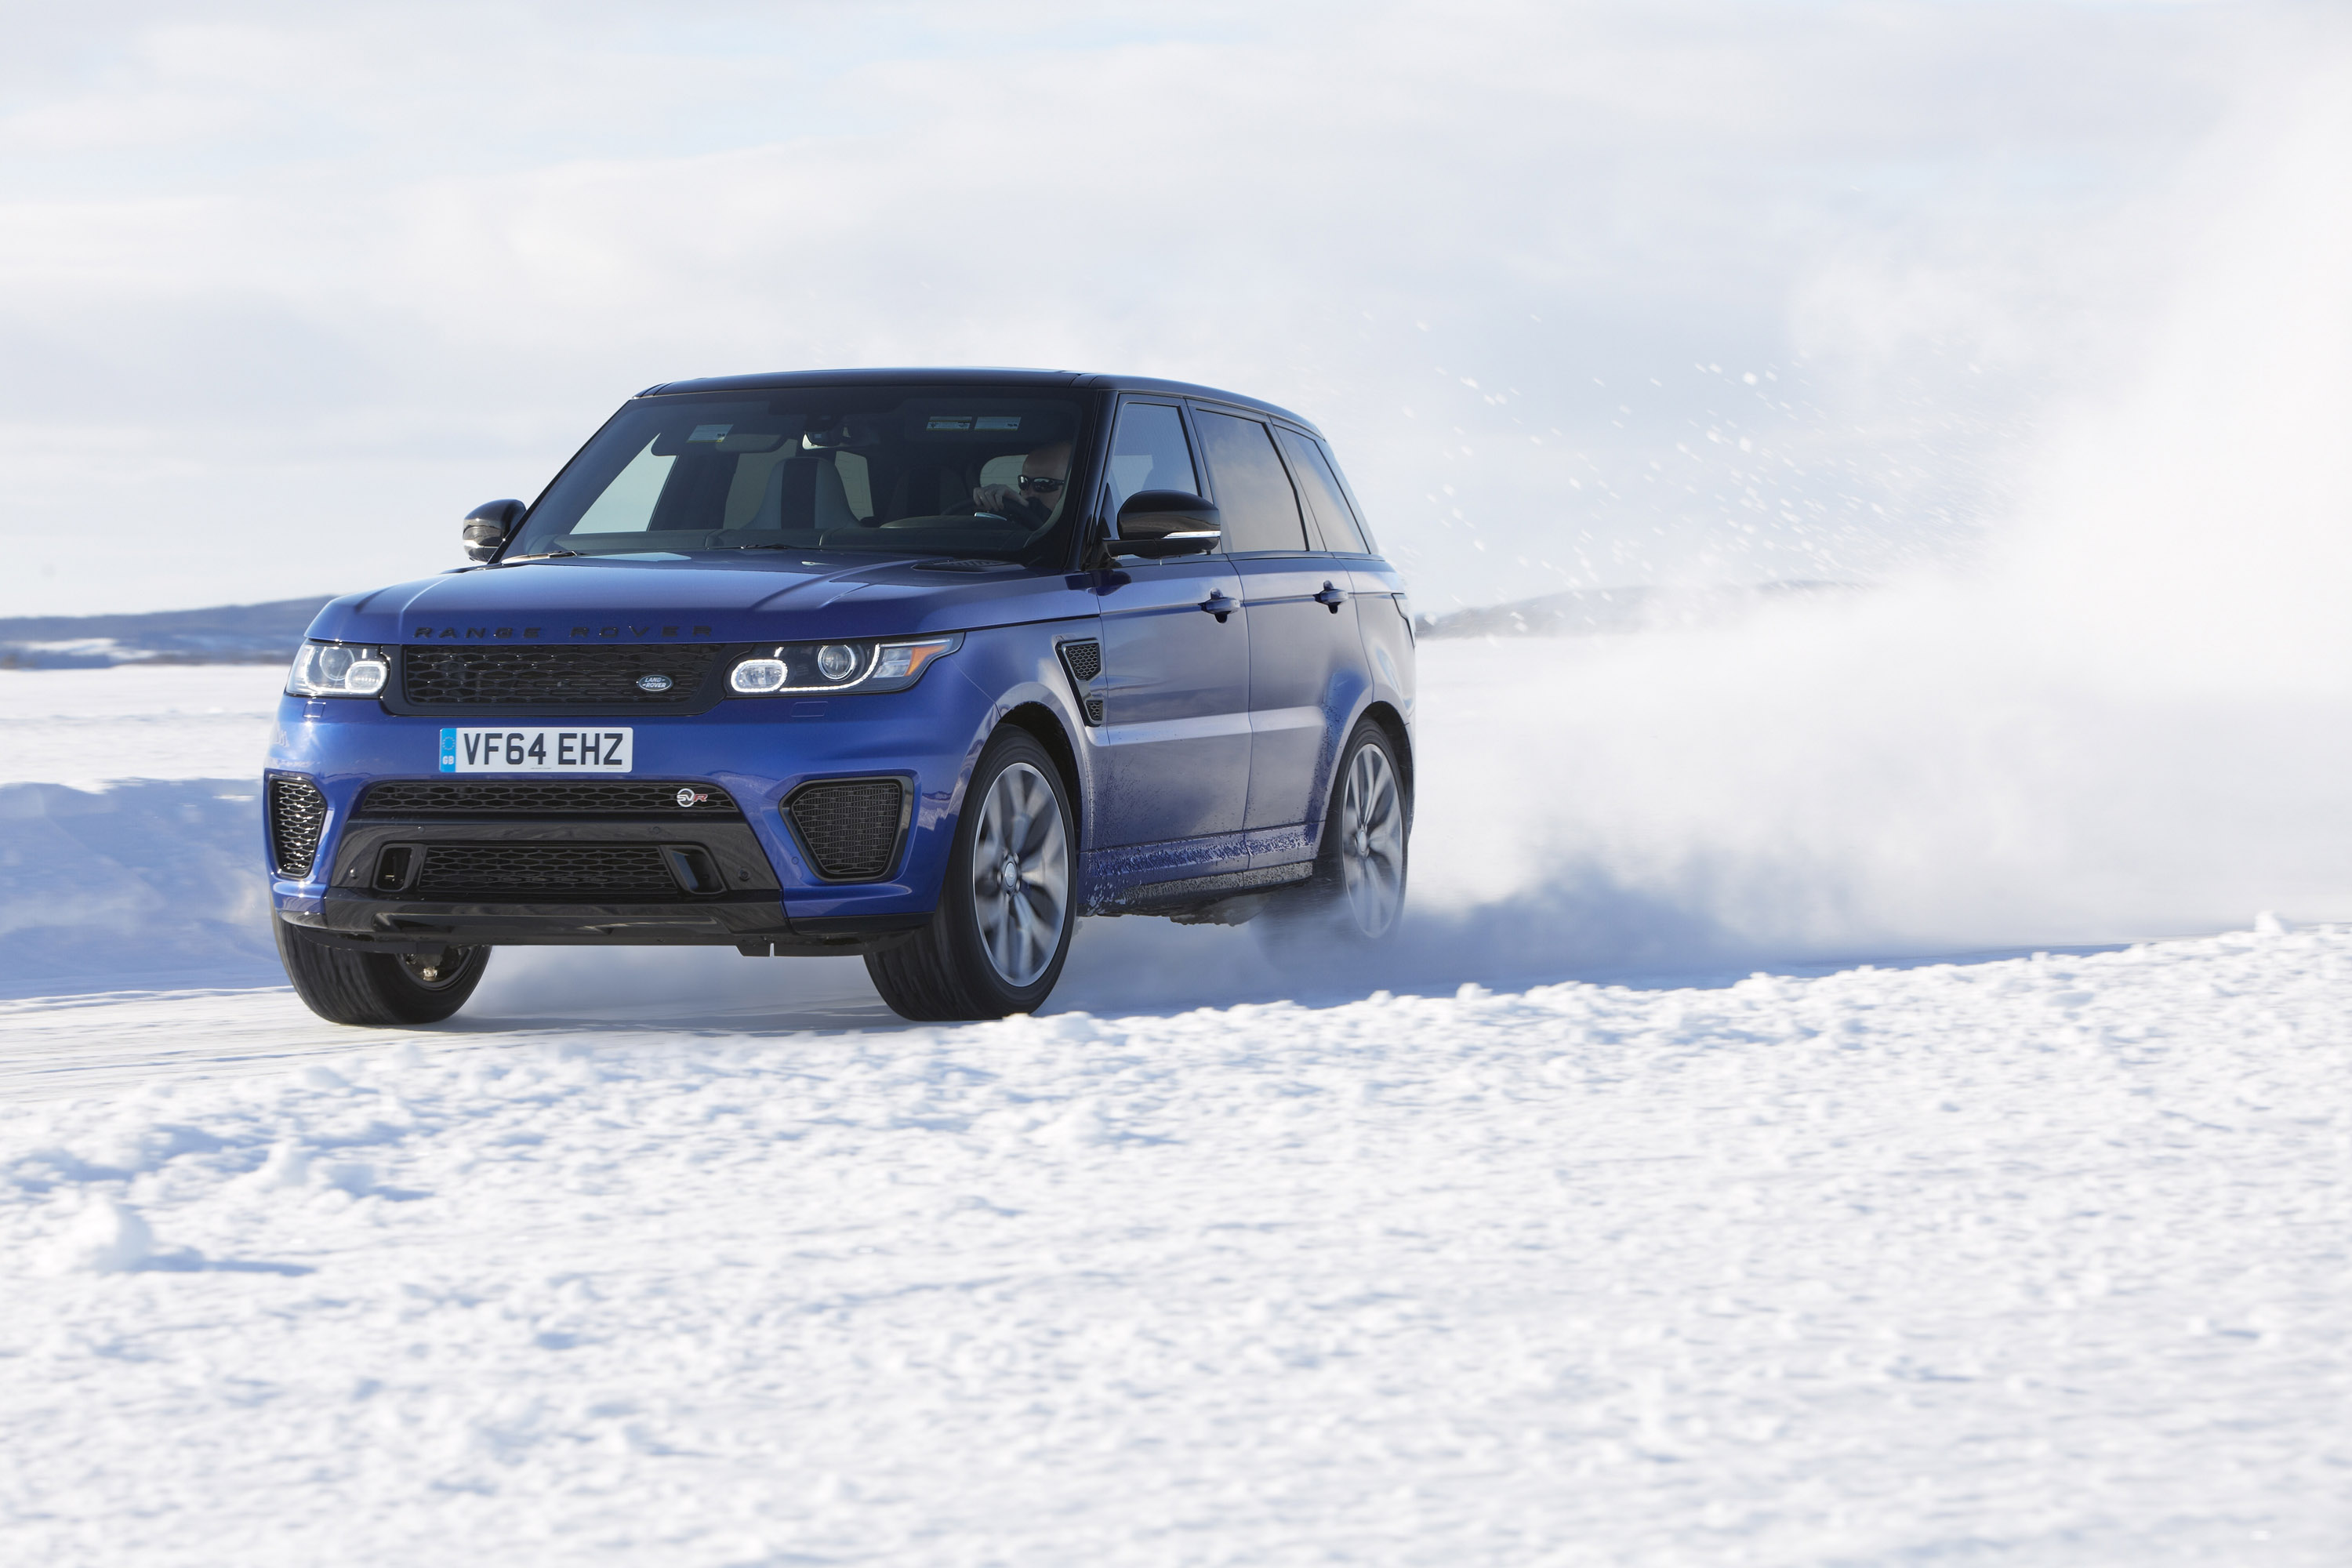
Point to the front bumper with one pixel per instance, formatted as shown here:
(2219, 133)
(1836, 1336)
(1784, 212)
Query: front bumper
(749, 881)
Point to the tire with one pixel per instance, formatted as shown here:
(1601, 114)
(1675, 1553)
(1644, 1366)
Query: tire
(379, 990)
(1356, 897)
(994, 947)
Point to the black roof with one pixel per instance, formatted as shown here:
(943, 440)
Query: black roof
(969, 375)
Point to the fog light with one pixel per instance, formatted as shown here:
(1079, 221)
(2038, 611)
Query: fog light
(835, 660)
(756, 674)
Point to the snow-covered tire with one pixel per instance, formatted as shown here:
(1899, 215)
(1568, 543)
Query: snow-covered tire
(379, 990)
(1356, 897)
(997, 941)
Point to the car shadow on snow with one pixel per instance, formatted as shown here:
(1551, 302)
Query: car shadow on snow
(1590, 932)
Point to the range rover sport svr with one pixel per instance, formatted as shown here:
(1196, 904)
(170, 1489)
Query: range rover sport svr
(916, 665)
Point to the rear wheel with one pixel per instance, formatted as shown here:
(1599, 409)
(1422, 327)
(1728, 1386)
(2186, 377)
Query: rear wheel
(381, 989)
(1356, 897)
(996, 942)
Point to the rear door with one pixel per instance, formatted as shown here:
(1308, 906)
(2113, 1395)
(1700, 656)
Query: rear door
(1381, 614)
(1305, 655)
(1174, 757)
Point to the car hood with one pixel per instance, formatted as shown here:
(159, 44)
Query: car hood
(668, 599)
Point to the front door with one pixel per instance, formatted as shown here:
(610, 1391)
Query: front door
(1173, 763)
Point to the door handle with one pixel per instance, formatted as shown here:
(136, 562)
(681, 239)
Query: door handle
(1330, 598)
(1219, 605)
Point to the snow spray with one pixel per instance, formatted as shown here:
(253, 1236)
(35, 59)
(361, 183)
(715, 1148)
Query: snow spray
(2131, 718)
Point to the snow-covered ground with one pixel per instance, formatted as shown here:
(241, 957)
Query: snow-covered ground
(2037, 1261)
(91, 727)
(682, 1258)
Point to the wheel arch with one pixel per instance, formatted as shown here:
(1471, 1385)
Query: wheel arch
(1391, 724)
(1042, 725)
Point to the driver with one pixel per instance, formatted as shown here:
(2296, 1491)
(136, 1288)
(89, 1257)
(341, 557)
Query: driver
(1035, 499)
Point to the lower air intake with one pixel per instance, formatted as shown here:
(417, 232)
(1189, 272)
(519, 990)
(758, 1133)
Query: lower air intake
(850, 827)
(588, 870)
(553, 797)
(297, 814)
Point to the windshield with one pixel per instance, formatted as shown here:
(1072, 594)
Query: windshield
(901, 470)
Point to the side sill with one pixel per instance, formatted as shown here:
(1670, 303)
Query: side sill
(1197, 892)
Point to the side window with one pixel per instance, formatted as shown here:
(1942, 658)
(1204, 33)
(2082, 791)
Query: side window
(1151, 453)
(1348, 494)
(1260, 509)
(1321, 487)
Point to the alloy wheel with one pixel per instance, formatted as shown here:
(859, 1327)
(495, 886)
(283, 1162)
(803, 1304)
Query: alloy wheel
(1371, 841)
(1020, 874)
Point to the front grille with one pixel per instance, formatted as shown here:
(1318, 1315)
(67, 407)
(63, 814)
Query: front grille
(553, 797)
(850, 827)
(602, 869)
(606, 677)
(297, 813)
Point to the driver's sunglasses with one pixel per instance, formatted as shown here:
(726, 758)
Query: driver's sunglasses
(1040, 484)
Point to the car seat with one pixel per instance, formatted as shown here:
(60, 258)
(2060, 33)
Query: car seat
(803, 497)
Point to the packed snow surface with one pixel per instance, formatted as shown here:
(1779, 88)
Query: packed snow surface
(2035, 1262)
(90, 727)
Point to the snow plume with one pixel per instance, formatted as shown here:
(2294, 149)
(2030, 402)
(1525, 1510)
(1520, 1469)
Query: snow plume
(2133, 716)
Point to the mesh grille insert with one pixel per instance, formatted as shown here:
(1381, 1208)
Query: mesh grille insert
(529, 677)
(553, 797)
(297, 813)
(593, 869)
(850, 826)
(1084, 659)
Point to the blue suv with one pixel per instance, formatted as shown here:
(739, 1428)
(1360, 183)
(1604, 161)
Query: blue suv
(916, 665)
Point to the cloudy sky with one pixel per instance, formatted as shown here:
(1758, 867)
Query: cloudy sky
(1593, 293)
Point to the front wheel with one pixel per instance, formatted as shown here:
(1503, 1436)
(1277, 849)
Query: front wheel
(996, 942)
(379, 990)
(1356, 897)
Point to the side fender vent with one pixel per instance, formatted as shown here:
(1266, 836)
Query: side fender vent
(1083, 660)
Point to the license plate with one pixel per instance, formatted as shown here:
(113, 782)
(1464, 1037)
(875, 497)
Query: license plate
(535, 751)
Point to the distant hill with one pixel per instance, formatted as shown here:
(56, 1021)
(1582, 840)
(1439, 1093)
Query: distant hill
(226, 634)
(1583, 611)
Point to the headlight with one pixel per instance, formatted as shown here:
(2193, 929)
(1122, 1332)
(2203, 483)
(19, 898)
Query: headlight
(796, 669)
(337, 669)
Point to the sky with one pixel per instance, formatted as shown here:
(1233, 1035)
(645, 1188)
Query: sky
(1584, 294)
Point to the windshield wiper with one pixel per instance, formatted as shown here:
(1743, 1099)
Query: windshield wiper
(542, 556)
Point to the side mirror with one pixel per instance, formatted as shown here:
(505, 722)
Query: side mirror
(488, 525)
(1157, 524)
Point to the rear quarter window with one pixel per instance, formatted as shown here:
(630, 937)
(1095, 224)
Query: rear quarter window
(1318, 486)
